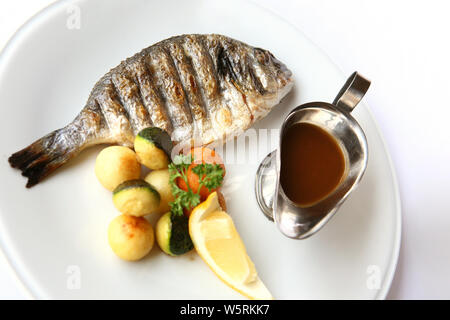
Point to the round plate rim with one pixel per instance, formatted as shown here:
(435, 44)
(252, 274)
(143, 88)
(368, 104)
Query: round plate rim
(387, 281)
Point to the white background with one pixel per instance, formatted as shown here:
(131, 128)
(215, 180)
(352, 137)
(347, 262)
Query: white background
(404, 48)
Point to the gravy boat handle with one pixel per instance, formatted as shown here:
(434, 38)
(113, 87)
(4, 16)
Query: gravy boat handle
(352, 92)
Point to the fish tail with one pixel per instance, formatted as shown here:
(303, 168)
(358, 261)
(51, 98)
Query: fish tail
(45, 155)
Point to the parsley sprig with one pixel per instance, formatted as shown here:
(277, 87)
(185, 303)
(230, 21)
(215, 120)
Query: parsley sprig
(210, 176)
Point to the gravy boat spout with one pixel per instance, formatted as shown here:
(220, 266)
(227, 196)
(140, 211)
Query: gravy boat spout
(300, 222)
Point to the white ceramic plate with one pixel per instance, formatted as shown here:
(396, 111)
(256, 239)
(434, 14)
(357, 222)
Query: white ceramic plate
(54, 235)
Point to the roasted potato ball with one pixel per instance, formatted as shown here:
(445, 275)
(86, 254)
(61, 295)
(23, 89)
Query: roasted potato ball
(172, 234)
(115, 165)
(131, 238)
(159, 179)
(153, 147)
(136, 198)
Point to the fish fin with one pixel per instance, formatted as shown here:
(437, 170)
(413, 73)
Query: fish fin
(45, 155)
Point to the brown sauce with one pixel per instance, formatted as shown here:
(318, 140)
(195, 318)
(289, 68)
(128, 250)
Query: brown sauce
(312, 164)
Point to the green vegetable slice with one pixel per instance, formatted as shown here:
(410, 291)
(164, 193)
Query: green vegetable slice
(159, 137)
(180, 241)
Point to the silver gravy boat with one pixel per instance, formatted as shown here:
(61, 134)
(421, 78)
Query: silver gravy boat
(299, 222)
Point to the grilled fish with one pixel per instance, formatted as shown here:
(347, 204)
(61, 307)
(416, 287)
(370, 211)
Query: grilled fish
(200, 88)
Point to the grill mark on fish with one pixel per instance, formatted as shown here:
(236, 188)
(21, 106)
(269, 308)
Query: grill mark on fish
(237, 116)
(226, 71)
(235, 63)
(115, 96)
(104, 114)
(233, 116)
(140, 97)
(265, 75)
(197, 85)
(256, 82)
(128, 94)
(150, 94)
(225, 67)
(115, 114)
(203, 67)
(210, 65)
(195, 102)
(171, 89)
(98, 110)
(208, 85)
(180, 88)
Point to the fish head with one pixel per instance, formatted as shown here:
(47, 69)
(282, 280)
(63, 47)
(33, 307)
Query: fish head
(272, 67)
(258, 77)
(272, 80)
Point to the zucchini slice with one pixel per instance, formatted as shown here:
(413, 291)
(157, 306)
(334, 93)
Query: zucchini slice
(136, 198)
(172, 234)
(153, 147)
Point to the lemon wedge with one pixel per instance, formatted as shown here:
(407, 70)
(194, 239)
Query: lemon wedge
(218, 243)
